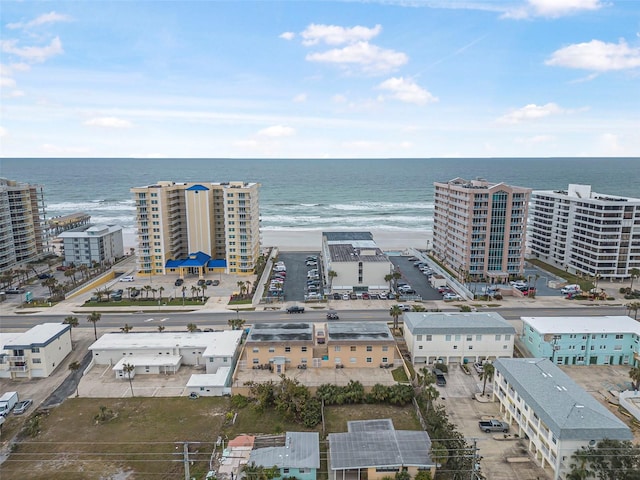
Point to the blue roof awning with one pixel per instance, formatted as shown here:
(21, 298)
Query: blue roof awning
(197, 188)
(220, 263)
(198, 259)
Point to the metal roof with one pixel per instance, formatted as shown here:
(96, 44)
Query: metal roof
(603, 324)
(568, 410)
(347, 237)
(456, 322)
(273, 332)
(358, 331)
(301, 450)
(375, 443)
(37, 336)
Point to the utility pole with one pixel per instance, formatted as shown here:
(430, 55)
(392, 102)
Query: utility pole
(185, 457)
(475, 461)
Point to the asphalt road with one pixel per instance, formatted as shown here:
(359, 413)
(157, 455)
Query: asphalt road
(117, 320)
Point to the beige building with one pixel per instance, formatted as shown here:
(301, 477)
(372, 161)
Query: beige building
(22, 219)
(197, 227)
(282, 346)
(35, 353)
(585, 232)
(479, 228)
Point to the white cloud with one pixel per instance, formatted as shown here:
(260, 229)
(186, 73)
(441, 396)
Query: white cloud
(596, 55)
(406, 90)
(15, 94)
(531, 112)
(277, 131)
(552, 8)
(536, 140)
(338, 98)
(33, 54)
(108, 122)
(6, 82)
(610, 144)
(3, 132)
(51, 17)
(300, 98)
(369, 58)
(287, 35)
(57, 150)
(335, 35)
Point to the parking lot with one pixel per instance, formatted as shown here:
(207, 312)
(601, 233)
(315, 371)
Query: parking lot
(414, 277)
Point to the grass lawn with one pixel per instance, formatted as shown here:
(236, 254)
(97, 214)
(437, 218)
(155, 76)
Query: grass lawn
(145, 437)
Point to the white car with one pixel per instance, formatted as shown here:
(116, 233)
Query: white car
(127, 278)
(382, 295)
(451, 296)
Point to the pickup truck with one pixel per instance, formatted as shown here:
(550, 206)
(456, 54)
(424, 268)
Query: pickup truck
(295, 309)
(493, 426)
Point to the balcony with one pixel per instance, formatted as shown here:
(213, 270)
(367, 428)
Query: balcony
(17, 358)
(19, 368)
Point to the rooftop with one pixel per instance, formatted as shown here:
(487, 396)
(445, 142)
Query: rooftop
(37, 336)
(603, 324)
(358, 331)
(218, 379)
(223, 343)
(456, 322)
(273, 332)
(564, 407)
(301, 450)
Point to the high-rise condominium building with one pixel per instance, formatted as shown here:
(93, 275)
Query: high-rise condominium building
(198, 227)
(22, 218)
(586, 232)
(479, 228)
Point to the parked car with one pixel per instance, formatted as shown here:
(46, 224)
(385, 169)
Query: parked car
(493, 426)
(127, 278)
(208, 282)
(22, 406)
(441, 381)
(382, 295)
(403, 307)
(345, 296)
(337, 296)
(295, 309)
(478, 367)
(134, 293)
(201, 282)
(570, 289)
(178, 282)
(215, 283)
(62, 268)
(451, 296)
(44, 276)
(14, 291)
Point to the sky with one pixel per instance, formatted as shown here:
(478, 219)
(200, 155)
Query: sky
(320, 79)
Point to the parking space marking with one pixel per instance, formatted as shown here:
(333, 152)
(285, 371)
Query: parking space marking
(149, 320)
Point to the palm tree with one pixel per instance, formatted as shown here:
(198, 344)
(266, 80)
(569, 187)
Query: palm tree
(487, 374)
(395, 312)
(204, 287)
(75, 366)
(236, 323)
(387, 278)
(127, 328)
(192, 327)
(128, 368)
(241, 286)
(147, 289)
(194, 291)
(160, 290)
(71, 320)
(634, 374)
(331, 274)
(633, 273)
(94, 318)
(634, 307)
(161, 328)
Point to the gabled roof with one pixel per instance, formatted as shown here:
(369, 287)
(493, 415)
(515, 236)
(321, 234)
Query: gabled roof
(301, 450)
(197, 188)
(375, 443)
(197, 259)
(567, 409)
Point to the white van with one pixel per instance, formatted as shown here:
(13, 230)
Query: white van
(127, 278)
(574, 288)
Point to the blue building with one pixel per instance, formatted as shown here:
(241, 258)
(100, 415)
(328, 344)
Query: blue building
(606, 340)
(299, 457)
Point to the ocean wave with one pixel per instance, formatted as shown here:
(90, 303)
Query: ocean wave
(63, 208)
(297, 219)
(382, 228)
(353, 206)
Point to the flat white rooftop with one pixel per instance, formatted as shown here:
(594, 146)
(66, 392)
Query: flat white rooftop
(221, 344)
(37, 336)
(218, 379)
(604, 324)
(148, 360)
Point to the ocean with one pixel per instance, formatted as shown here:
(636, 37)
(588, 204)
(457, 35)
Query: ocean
(394, 195)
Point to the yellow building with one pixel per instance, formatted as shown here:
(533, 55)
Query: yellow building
(282, 346)
(197, 227)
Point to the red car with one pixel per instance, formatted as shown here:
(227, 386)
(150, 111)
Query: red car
(62, 268)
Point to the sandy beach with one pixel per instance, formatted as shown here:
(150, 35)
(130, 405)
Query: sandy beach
(311, 240)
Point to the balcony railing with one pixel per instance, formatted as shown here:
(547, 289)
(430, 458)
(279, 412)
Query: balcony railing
(19, 368)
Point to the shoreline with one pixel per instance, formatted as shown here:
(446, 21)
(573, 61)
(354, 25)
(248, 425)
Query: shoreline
(311, 240)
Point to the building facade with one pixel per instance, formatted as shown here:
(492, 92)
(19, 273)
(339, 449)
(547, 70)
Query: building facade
(452, 337)
(197, 227)
(35, 353)
(479, 228)
(91, 244)
(282, 346)
(22, 222)
(585, 232)
(607, 340)
(357, 262)
(550, 412)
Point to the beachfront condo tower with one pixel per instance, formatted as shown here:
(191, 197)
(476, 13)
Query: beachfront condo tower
(22, 221)
(197, 228)
(479, 228)
(587, 233)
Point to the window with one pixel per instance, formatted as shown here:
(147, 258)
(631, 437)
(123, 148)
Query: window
(498, 337)
(419, 338)
(619, 337)
(369, 360)
(429, 338)
(458, 338)
(303, 349)
(478, 338)
(455, 347)
(369, 348)
(507, 337)
(469, 338)
(353, 348)
(336, 348)
(385, 360)
(287, 349)
(352, 360)
(470, 347)
(35, 350)
(272, 349)
(255, 361)
(447, 338)
(36, 360)
(420, 347)
(385, 348)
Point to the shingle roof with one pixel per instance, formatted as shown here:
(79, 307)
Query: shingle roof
(567, 409)
(456, 322)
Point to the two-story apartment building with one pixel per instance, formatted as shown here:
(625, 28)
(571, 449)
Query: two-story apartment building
(282, 346)
(605, 340)
(553, 414)
(586, 232)
(35, 353)
(358, 264)
(374, 449)
(455, 337)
